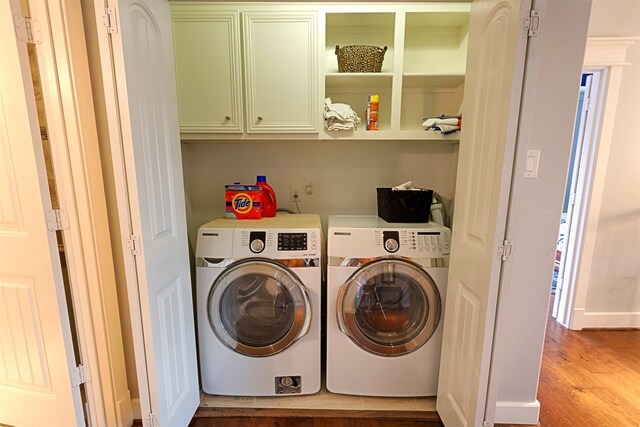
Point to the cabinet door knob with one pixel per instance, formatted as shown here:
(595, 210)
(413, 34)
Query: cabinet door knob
(259, 118)
(227, 118)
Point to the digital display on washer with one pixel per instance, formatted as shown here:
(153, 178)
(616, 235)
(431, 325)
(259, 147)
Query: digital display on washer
(428, 233)
(292, 241)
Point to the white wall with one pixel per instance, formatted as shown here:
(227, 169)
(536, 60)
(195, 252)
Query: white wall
(344, 174)
(614, 280)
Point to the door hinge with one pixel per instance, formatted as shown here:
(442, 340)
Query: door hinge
(532, 23)
(505, 250)
(27, 29)
(486, 424)
(153, 420)
(80, 375)
(572, 198)
(110, 20)
(559, 284)
(134, 244)
(57, 219)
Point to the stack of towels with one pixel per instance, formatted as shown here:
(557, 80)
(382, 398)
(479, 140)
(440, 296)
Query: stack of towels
(445, 124)
(339, 116)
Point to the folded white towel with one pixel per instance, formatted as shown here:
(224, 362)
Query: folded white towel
(341, 125)
(339, 116)
(336, 109)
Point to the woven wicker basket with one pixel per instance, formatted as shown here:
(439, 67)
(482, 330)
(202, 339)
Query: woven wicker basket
(360, 58)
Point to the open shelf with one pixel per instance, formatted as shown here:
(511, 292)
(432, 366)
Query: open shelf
(374, 29)
(436, 42)
(418, 135)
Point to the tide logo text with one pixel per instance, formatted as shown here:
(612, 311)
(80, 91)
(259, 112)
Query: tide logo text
(241, 203)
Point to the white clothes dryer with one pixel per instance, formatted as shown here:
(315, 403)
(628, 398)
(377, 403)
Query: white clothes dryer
(258, 305)
(386, 287)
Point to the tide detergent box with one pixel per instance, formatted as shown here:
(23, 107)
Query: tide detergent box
(243, 201)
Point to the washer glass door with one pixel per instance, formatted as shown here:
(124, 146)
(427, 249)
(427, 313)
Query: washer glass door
(258, 307)
(389, 307)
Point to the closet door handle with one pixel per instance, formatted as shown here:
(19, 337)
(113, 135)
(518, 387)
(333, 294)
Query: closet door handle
(259, 118)
(227, 118)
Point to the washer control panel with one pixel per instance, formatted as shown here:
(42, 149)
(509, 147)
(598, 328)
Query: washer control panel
(426, 243)
(277, 243)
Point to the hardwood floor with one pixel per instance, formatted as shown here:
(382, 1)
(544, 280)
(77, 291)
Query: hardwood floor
(307, 422)
(587, 378)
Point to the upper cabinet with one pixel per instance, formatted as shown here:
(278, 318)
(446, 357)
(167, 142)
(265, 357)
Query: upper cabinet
(251, 71)
(208, 71)
(281, 71)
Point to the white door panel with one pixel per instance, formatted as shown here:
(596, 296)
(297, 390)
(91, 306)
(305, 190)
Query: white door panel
(143, 60)
(492, 92)
(563, 303)
(36, 349)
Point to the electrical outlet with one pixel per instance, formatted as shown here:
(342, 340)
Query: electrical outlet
(295, 194)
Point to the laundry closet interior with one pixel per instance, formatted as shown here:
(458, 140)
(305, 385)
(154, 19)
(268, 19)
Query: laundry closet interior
(238, 62)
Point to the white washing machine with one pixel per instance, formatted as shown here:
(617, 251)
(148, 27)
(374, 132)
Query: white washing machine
(258, 305)
(386, 285)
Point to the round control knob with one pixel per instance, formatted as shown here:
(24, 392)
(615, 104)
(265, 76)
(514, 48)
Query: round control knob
(256, 246)
(391, 245)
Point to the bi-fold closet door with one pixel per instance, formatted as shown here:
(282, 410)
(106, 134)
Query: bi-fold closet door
(137, 65)
(36, 345)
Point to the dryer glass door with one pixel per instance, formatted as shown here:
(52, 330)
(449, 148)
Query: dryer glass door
(258, 307)
(389, 307)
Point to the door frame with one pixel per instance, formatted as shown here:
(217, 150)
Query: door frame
(606, 56)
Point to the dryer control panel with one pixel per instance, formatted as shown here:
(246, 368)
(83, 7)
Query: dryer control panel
(418, 243)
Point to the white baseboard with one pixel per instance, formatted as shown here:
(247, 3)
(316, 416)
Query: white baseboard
(611, 320)
(137, 409)
(517, 412)
(578, 319)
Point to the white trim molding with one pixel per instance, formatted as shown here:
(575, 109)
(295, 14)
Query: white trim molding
(517, 412)
(607, 51)
(611, 320)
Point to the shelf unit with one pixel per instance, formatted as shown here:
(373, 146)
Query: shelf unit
(422, 74)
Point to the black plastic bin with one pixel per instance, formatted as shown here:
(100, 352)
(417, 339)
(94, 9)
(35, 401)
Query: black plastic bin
(404, 205)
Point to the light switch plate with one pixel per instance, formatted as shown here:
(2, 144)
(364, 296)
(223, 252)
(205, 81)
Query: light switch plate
(531, 167)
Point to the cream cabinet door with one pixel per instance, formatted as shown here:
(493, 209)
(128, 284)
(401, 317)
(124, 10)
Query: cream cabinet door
(281, 71)
(207, 61)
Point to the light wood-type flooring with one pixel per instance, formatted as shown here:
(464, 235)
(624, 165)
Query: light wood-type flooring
(588, 378)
